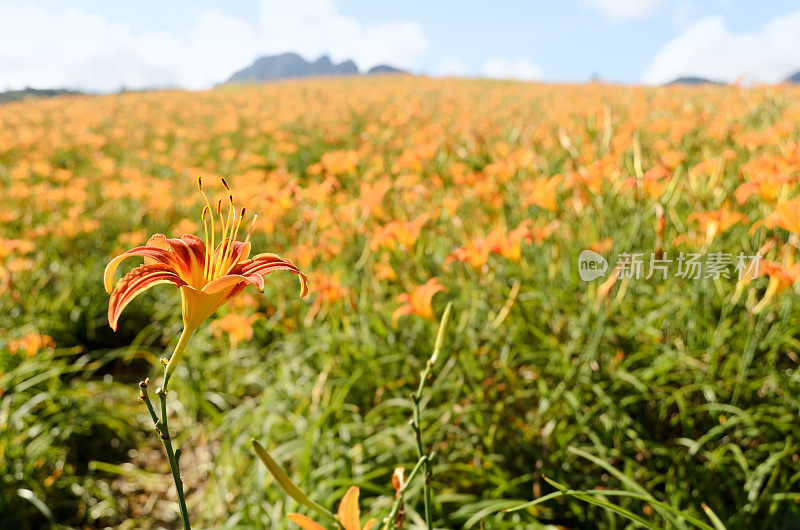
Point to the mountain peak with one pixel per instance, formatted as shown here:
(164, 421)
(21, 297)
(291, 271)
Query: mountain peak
(291, 65)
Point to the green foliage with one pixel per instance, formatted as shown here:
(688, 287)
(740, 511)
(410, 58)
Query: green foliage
(669, 396)
(56, 416)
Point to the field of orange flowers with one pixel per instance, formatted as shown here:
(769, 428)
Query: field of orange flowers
(671, 379)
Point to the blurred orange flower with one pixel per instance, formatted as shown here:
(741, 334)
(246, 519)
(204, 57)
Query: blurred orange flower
(418, 301)
(30, 344)
(238, 327)
(716, 222)
(786, 215)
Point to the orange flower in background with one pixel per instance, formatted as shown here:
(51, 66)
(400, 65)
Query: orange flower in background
(339, 162)
(400, 233)
(186, 226)
(672, 159)
(370, 201)
(418, 301)
(476, 253)
(20, 246)
(30, 344)
(509, 245)
(781, 277)
(328, 289)
(238, 327)
(542, 192)
(716, 222)
(786, 215)
(208, 276)
(384, 270)
(652, 182)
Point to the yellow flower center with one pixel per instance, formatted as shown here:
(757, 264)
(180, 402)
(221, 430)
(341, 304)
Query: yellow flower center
(216, 266)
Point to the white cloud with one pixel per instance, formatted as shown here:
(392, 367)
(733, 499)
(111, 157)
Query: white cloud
(452, 67)
(314, 27)
(624, 10)
(502, 68)
(75, 49)
(708, 49)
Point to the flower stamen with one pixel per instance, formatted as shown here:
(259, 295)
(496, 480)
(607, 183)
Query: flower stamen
(228, 254)
(207, 266)
(250, 230)
(227, 238)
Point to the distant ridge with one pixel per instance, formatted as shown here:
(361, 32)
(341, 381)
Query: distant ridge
(692, 81)
(291, 65)
(385, 69)
(28, 92)
(794, 78)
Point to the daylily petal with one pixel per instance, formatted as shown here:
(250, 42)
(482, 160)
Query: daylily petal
(264, 264)
(190, 255)
(239, 249)
(157, 255)
(134, 283)
(349, 513)
(304, 522)
(230, 280)
(369, 524)
(401, 311)
(198, 305)
(197, 245)
(158, 241)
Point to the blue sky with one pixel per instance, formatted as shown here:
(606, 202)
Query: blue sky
(100, 45)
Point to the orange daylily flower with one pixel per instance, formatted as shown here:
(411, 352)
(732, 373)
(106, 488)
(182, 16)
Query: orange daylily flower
(498, 241)
(781, 277)
(339, 162)
(418, 301)
(542, 192)
(476, 253)
(402, 233)
(509, 245)
(237, 327)
(349, 514)
(31, 344)
(207, 276)
(653, 181)
(716, 222)
(384, 270)
(786, 216)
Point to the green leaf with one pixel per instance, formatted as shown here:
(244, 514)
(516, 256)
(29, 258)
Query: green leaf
(440, 334)
(628, 481)
(714, 519)
(31, 497)
(286, 484)
(604, 504)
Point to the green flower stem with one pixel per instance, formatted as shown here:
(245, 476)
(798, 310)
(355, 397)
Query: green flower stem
(426, 459)
(162, 429)
(389, 519)
(178, 353)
